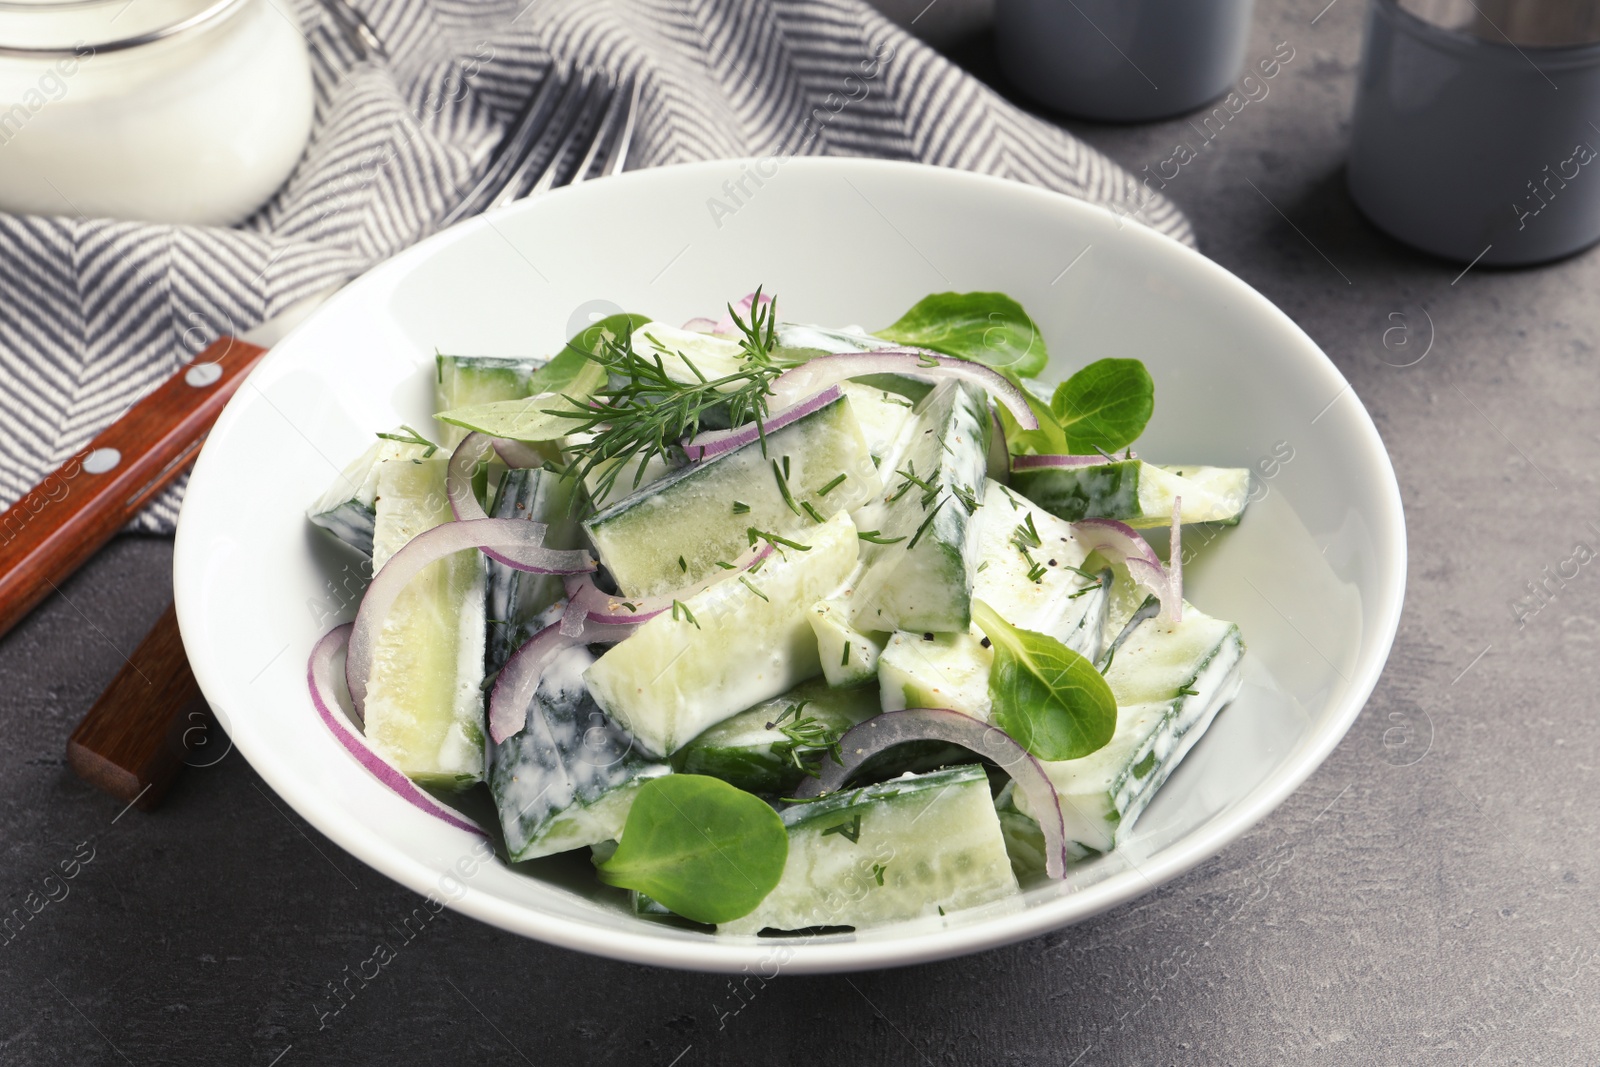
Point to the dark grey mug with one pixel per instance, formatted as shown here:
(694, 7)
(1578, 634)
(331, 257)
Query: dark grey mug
(1475, 133)
(1122, 60)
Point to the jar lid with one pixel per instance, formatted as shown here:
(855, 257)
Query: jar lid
(50, 28)
(1534, 23)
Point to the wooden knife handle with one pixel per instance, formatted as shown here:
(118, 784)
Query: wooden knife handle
(133, 741)
(66, 518)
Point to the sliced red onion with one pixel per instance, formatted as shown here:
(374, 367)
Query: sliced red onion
(1053, 462)
(319, 679)
(514, 542)
(867, 739)
(816, 374)
(715, 443)
(475, 449)
(517, 454)
(518, 680)
(589, 605)
(1120, 541)
(726, 323)
(703, 325)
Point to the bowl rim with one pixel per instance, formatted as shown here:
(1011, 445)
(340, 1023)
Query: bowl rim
(709, 954)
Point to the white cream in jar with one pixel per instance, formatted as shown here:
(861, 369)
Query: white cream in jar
(180, 111)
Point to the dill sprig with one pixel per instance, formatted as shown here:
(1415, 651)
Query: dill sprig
(926, 522)
(1026, 537)
(806, 739)
(411, 437)
(774, 539)
(644, 412)
(850, 831)
(930, 488)
(782, 477)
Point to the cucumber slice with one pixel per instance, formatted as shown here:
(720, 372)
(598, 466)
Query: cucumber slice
(569, 777)
(648, 907)
(462, 381)
(924, 581)
(882, 415)
(744, 752)
(625, 484)
(513, 597)
(1139, 493)
(933, 839)
(346, 509)
(802, 337)
(849, 657)
(930, 670)
(1170, 682)
(749, 641)
(952, 670)
(673, 533)
(683, 352)
(424, 708)
(685, 355)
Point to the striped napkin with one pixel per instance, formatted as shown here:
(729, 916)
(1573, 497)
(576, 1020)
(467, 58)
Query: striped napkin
(95, 312)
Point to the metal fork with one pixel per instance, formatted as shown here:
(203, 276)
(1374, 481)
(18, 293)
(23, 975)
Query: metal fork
(577, 125)
(544, 147)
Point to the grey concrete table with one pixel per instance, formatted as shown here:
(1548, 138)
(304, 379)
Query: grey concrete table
(1428, 897)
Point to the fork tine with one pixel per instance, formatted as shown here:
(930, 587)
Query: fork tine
(598, 92)
(617, 160)
(355, 29)
(568, 118)
(609, 132)
(525, 132)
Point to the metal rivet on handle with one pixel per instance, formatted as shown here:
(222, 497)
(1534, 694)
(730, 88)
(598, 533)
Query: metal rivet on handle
(101, 460)
(202, 374)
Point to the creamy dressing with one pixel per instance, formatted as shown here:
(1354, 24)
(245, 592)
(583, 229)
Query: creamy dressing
(568, 758)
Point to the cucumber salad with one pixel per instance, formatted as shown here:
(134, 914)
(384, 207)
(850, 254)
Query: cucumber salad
(791, 628)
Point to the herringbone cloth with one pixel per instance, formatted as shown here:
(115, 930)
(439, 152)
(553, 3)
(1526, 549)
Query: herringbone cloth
(94, 313)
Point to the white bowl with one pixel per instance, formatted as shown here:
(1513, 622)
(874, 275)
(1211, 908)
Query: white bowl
(1314, 575)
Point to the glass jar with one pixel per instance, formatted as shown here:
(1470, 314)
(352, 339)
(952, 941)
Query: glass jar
(178, 111)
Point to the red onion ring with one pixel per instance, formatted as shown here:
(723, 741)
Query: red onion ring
(518, 680)
(588, 604)
(715, 443)
(891, 728)
(702, 325)
(822, 371)
(517, 545)
(1121, 542)
(319, 679)
(475, 449)
(517, 454)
